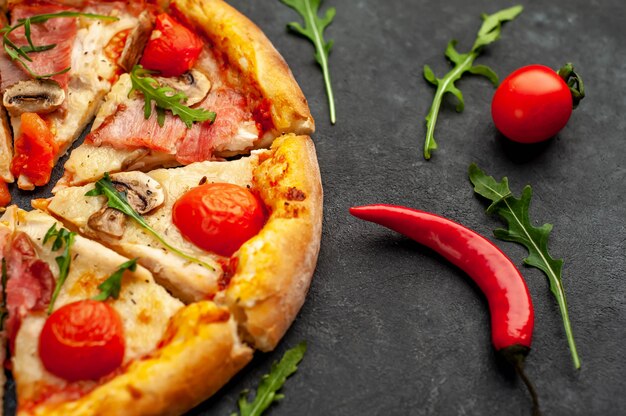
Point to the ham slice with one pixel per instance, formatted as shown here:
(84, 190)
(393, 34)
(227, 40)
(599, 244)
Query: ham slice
(60, 31)
(29, 286)
(201, 141)
(127, 128)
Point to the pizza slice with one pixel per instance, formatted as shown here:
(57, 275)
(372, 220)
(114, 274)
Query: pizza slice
(245, 233)
(57, 64)
(227, 92)
(92, 333)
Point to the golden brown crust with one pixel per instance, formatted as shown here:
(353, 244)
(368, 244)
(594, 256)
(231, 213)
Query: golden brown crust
(275, 267)
(200, 352)
(248, 48)
(6, 147)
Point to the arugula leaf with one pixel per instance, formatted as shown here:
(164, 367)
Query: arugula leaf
(165, 98)
(117, 200)
(20, 53)
(111, 287)
(271, 383)
(515, 212)
(61, 238)
(488, 33)
(314, 31)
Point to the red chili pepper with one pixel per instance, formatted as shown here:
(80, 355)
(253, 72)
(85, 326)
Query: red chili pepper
(512, 316)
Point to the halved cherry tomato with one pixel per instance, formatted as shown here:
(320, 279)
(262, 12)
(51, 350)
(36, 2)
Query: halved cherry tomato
(83, 340)
(35, 150)
(532, 104)
(172, 49)
(219, 217)
(5, 195)
(113, 50)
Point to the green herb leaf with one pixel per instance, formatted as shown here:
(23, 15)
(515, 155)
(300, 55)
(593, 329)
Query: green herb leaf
(117, 200)
(62, 238)
(165, 98)
(271, 383)
(515, 212)
(20, 54)
(463, 62)
(111, 287)
(314, 31)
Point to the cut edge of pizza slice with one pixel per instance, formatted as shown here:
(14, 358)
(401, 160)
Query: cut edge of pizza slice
(178, 354)
(238, 76)
(265, 280)
(53, 93)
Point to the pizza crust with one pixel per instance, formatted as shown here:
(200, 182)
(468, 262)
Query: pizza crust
(276, 266)
(247, 48)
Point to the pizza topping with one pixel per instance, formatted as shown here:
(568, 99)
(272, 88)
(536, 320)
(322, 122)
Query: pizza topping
(5, 195)
(29, 283)
(171, 39)
(63, 239)
(42, 43)
(136, 42)
(165, 98)
(83, 340)
(35, 150)
(111, 287)
(219, 217)
(228, 132)
(143, 193)
(194, 84)
(33, 96)
(108, 221)
(117, 200)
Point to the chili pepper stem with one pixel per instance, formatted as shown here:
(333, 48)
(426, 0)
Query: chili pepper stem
(516, 356)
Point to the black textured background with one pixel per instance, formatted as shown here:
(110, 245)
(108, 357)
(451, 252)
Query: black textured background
(392, 329)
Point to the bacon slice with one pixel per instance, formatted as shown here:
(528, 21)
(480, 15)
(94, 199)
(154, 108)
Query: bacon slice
(127, 128)
(29, 286)
(60, 31)
(201, 141)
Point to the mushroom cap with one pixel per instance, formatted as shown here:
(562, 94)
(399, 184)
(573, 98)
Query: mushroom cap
(193, 83)
(39, 96)
(143, 193)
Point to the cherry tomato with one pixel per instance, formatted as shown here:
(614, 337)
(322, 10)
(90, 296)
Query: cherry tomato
(219, 217)
(532, 104)
(172, 49)
(5, 195)
(83, 340)
(35, 150)
(113, 50)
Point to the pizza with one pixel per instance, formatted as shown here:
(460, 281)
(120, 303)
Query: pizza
(184, 231)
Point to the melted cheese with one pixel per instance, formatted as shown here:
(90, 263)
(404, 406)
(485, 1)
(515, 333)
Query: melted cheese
(186, 280)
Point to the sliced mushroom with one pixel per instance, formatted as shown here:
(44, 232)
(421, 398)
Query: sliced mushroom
(194, 84)
(144, 194)
(136, 42)
(108, 221)
(33, 96)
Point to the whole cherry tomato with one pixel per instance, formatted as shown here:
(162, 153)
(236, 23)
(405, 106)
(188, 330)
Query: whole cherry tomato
(172, 49)
(83, 340)
(219, 217)
(534, 103)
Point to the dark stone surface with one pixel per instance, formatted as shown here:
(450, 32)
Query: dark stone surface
(392, 328)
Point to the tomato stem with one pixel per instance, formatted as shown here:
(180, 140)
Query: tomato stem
(574, 82)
